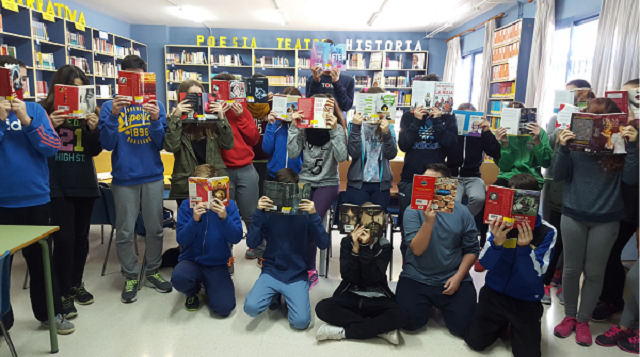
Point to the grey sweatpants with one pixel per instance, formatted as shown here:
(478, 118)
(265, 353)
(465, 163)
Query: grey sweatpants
(630, 312)
(586, 249)
(244, 190)
(475, 190)
(130, 200)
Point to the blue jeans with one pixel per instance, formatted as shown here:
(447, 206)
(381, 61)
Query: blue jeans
(295, 294)
(369, 192)
(188, 277)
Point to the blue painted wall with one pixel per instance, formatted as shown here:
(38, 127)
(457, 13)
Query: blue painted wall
(101, 21)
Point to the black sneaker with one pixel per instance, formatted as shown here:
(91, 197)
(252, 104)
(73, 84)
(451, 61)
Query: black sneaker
(629, 344)
(611, 337)
(193, 302)
(603, 311)
(157, 282)
(130, 292)
(68, 308)
(82, 296)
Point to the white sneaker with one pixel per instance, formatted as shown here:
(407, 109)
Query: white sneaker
(393, 337)
(330, 332)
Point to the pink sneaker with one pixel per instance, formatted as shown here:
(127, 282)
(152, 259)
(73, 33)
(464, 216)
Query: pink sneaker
(583, 334)
(565, 327)
(313, 278)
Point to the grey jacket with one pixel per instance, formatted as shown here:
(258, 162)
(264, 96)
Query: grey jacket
(319, 164)
(357, 153)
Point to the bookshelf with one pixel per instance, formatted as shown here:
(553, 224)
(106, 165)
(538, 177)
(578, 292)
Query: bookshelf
(62, 43)
(285, 65)
(509, 66)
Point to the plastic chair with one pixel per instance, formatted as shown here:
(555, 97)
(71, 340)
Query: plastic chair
(5, 296)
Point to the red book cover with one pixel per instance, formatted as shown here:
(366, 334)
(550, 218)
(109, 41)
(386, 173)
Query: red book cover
(440, 190)
(148, 88)
(511, 206)
(205, 189)
(139, 88)
(200, 107)
(598, 133)
(75, 101)
(220, 90)
(621, 98)
(315, 112)
(10, 82)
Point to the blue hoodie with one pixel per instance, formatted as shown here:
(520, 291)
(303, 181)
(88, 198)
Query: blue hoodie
(136, 142)
(274, 144)
(23, 158)
(206, 242)
(286, 257)
(518, 271)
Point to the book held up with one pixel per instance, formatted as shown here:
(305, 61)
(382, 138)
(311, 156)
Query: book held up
(598, 133)
(432, 94)
(284, 106)
(315, 112)
(76, 102)
(377, 106)
(200, 108)
(10, 82)
(511, 206)
(515, 120)
(328, 56)
(441, 191)
(469, 123)
(286, 197)
(206, 189)
(371, 217)
(137, 87)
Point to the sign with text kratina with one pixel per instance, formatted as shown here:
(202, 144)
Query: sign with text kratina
(395, 45)
(53, 9)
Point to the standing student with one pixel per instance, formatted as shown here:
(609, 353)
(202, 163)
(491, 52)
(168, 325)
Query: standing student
(363, 306)
(27, 139)
(591, 210)
(426, 136)
(339, 86)
(523, 154)
(243, 177)
(260, 112)
(322, 151)
(584, 93)
(286, 258)
(371, 147)
(441, 248)
(195, 144)
(135, 134)
(204, 233)
(74, 188)
(516, 257)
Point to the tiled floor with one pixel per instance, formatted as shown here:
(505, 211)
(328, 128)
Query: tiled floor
(158, 325)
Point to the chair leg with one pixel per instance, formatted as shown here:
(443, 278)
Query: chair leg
(25, 285)
(106, 258)
(142, 271)
(102, 233)
(7, 338)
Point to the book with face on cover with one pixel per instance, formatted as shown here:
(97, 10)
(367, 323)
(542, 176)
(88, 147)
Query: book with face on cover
(469, 122)
(237, 89)
(374, 107)
(205, 189)
(511, 206)
(315, 112)
(10, 82)
(286, 197)
(200, 108)
(432, 94)
(598, 133)
(76, 101)
(137, 87)
(634, 102)
(417, 61)
(441, 191)
(515, 120)
(284, 106)
(371, 217)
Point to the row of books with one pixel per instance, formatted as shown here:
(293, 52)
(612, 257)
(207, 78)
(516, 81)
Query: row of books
(102, 46)
(76, 40)
(304, 62)
(227, 60)
(503, 72)
(281, 80)
(122, 52)
(80, 62)
(8, 51)
(103, 69)
(237, 76)
(400, 81)
(496, 106)
(362, 81)
(501, 90)
(507, 34)
(186, 58)
(172, 95)
(103, 91)
(505, 52)
(404, 99)
(302, 81)
(39, 30)
(42, 88)
(179, 75)
(44, 60)
(265, 61)
(357, 61)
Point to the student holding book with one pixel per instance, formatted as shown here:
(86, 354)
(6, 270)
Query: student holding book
(516, 257)
(195, 144)
(260, 113)
(369, 177)
(339, 86)
(27, 139)
(204, 233)
(135, 134)
(441, 248)
(591, 211)
(74, 188)
(583, 94)
(286, 258)
(243, 177)
(363, 306)
(322, 151)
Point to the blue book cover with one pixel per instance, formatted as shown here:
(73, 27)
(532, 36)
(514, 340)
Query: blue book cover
(469, 122)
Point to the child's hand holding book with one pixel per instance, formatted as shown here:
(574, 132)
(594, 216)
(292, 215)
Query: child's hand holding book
(199, 210)
(153, 109)
(92, 121)
(57, 118)
(265, 203)
(218, 207)
(525, 235)
(118, 103)
(182, 108)
(307, 206)
(499, 229)
(429, 213)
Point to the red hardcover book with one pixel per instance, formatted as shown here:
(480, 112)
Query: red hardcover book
(75, 101)
(315, 112)
(139, 88)
(598, 133)
(441, 191)
(511, 206)
(220, 90)
(621, 98)
(10, 82)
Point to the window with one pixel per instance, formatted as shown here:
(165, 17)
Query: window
(467, 82)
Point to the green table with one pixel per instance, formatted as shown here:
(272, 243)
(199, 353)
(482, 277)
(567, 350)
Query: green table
(14, 238)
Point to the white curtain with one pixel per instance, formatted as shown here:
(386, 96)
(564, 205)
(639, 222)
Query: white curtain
(544, 26)
(454, 56)
(616, 55)
(485, 79)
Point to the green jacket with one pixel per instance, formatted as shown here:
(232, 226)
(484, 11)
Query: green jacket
(522, 157)
(185, 159)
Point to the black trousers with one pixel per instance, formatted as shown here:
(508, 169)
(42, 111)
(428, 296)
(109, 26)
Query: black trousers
(362, 317)
(615, 275)
(493, 315)
(71, 242)
(554, 220)
(35, 216)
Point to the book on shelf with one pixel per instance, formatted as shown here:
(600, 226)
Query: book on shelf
(26, 88)
(505, 72)
(103, 91)
(172, 95)
(76, 40)
(328, 56)
(304, 62)
(10, 82)
(103, 46)
(266, 61)
(42, 89)
(138, 87)
(302, 81)
(511, 206)
(288, 80)
(375, 61)
(136, 52)
(39, 30)
(497, 106)
(504, 53)
(394, 64)
(507, 34)
(598, 133)
(227, 60)
(432, 94)
(76, 102)
(200, 108)
(578, 98)
(404, 99)
(469, 123)
(257, 90)
(206, 189)
(515, 120)
(357, 61)
(621, 98)
(103, 69)
(8, 50)
(81, 63)
(187, 57)
(284, 106)
(45, 60)
(315, 112)
(440, 191)
(286, 197)
(502, 90)
(376, 106)
(122, 52)
(563, 119)
(418, 60)
(371, 217)
(179, 75)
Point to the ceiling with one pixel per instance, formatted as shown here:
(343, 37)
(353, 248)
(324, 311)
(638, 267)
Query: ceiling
(325, 15)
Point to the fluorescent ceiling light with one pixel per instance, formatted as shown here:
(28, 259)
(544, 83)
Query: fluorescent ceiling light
(375, 14)
(193, 13)
(284, 18)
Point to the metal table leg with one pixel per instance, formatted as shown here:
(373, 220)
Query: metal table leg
(53, 333)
